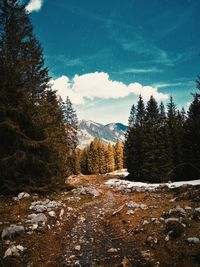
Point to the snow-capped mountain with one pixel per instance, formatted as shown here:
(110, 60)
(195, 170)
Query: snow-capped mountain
(109, 133)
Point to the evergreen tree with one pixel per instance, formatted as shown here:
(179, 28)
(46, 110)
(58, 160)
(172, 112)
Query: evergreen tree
(176, 133)
(134, 141)
(31, 122)
(192, 141)
(93, 157)
(110, 158)
(71, 131)
(151, 168)
(119, 155)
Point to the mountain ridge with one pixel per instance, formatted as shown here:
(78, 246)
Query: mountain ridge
(108, 133)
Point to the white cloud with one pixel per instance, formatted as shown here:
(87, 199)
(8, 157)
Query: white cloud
(99, 85)
(34, 5)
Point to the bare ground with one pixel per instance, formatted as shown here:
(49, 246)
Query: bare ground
(93, 235)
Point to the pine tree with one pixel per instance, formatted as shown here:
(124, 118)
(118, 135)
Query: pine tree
(93, 157)
(151, 170)
(192, 140)
(176, 133)
(31, 156)
(134, 141)
(110, 158)
(71, 130)
(119, 161)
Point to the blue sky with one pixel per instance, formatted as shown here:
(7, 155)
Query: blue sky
(104, 53)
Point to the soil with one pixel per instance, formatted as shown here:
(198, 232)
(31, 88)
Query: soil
(100, 232)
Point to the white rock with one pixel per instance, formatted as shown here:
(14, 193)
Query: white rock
(52, 214)
(178, 209)
(14, 251)
(61, 213)
(73, 199)
(34, 226)
(193, 240)
(112, 250)
(12, 231)
(39, 208)
(23, 195)
(130, 212)
(78, 248)
(37, 218)
(197, 209)
(171, 220)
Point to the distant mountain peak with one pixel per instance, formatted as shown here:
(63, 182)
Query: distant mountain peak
(108, 133)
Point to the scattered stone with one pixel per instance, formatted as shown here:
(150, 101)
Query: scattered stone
(73, 199)
(151, 241)
(39, 208)
(178, 211)
(34, 226)
(174, 228)
(61, 213)
(112, 250)
(42, 206)
(78, 248)
(23, 195)
(12, 231)
(37, 218)
(52, 214)
(14, 251)
(193, 240)
(130, 212)
(87, 190)
(132, 204)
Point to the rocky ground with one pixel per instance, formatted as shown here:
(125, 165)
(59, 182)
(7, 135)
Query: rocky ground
(102, 224)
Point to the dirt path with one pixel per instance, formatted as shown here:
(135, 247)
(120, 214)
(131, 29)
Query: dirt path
(91, 240)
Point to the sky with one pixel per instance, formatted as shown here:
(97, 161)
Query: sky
(104, 53)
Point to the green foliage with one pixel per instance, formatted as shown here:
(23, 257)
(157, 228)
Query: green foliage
(154, 142)
(33, 154)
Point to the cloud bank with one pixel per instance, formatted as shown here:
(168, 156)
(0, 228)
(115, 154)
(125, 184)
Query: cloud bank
(99, 85)
(34, 5)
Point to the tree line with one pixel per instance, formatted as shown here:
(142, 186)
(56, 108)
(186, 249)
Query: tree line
(99, 158)
(163, 143)
(38, 131)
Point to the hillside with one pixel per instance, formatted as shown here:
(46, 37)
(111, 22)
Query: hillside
(108, 133)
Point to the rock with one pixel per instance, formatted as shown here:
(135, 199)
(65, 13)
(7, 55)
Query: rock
(125, 262)
(14, 251)
(171, 220)
(23, 195)
(178, 211)
(132, 204)
(87, 190)
(39, 208)
(174, 228)
(130, 212)
(73, 199)
(37, 218)
(151, 241)
(61, 213)
(78, 248)
(42, 206)
(12, 231)
(52, 214)
(112, 250)
(193, 240)
(34, 226)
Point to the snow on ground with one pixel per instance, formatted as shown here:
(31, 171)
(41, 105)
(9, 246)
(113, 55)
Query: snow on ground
(122, 172)
(131, 184)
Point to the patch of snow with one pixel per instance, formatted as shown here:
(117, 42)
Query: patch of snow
(129, 184)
